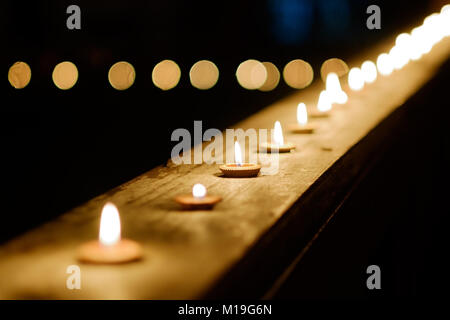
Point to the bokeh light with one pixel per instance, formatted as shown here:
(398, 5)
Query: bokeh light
(166, 75)
(273, 77)
(19, 75)
(369, 71)
(355, 79)
(334, 65)
(251, 74)
(298, 74)
(121, 75)
(384, 64)
(65, 75)
(204, 75)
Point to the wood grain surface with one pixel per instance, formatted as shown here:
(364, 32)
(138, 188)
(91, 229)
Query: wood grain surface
(186, 253)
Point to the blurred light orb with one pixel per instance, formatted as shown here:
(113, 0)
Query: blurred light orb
(384, 64)
(334, 90)
(204, 75)
(298, 74)
(121, 75)
(399, 57)
(65, 75)
(166, 75)
(355, 79)
(334, 65)
(369, 71)
(324, 102)
(251, 74)
(273, 77)
(19, 75)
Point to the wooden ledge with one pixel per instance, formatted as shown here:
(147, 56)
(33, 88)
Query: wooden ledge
(259, 222)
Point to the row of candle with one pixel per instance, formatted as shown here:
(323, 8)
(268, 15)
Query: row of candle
(110, 248)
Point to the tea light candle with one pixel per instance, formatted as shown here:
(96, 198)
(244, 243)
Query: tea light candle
(110, 248)
(198, 200)
(324, 106)
(355, 79)
(333, 87)
(240, 169)
(278, 144)
(302, 125)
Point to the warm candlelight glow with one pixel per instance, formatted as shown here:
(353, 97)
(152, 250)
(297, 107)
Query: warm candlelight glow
(324, 103)
(369, 71)
(199, 190)
(237, 154)
(298, 74)
(121, 75)
(333, 87)
(166, 75)
(273, 77)
(355, 79)
(109, 225)
(251, 74)
(204, 74)
(65, 75)
(302, 114)
(399, 57)
(384, 64)
(19, 75)
(278, 134)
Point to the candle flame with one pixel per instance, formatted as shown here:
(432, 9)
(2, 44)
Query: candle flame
(199, 190)
(369, 71)
(355, 79)
(109, 225)
(384, 64)
(324, 103)
(237, 154)
(333, 87)
(278, 134)
(302, 114)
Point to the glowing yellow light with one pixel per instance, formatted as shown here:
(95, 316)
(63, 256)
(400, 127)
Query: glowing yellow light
(399, 57)
(302, 114)
(199, 190)
(333, 87)
(204, 74)
(278, 134)
(420, 43)
(334, 65)
(384, 64)
(65, 75)
(237, 154)
(355, 79)
(298, 74)
(324, 103)
(109, 225)
(166, 75)
(19, 75)
(121, 75)
(273, 77)
(369, 71)
(251, 74)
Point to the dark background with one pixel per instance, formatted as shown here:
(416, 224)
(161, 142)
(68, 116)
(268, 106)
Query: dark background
(61, 148)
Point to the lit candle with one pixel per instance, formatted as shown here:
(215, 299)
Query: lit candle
(384, 64)
(302, 125)
(198, 200)
(278, 144)
(355, 79)
(110, 248)
(369, 71)
(324, 106)
(239, 169)
(333, 87)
